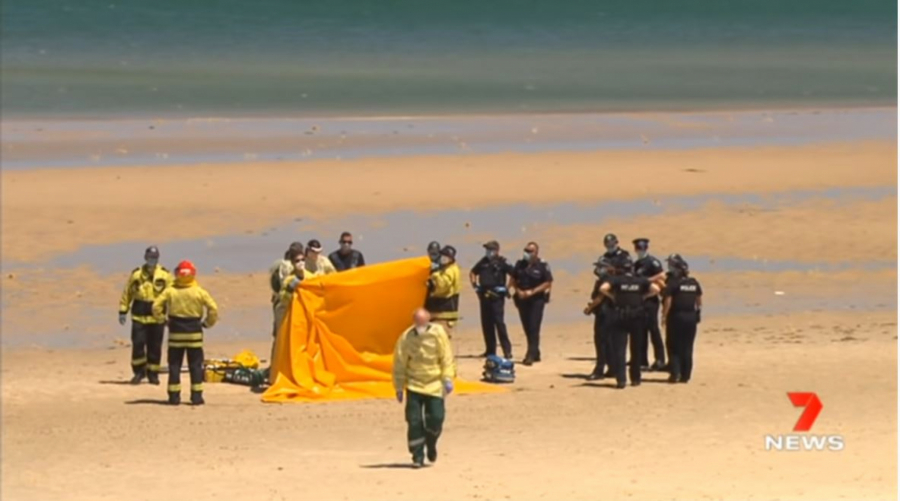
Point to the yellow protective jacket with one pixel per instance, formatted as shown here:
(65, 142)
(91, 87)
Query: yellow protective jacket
(185, 303)
(321, 266)
(422, 362)
(142, 288)
(284, 298)
(443, 300)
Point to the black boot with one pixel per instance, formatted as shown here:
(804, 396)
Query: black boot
(197, 398)
(432, 453)
(174, 399)
(596, 375)
(153, 378)
(138, 377)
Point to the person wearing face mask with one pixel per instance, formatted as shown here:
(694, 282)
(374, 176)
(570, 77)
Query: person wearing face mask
(286, 294)
(423, 372)
(317, 264)
(532, 280)
(628, 293)
(602, 308)
(681, 313)
(613, 251)
(278, 272)
(443, 291)
(650, 268)
(144, 285)
(490, 279)
(434, 254)
(346, 258)
(183, 307)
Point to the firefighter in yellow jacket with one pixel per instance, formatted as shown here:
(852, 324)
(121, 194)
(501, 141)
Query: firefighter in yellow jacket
(424, 368)
(185, 303)
(144, 285)
(443, 291)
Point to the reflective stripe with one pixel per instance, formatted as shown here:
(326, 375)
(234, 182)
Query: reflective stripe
(416, 442)
(184, 324)
(185, 344)
(148, 320)
(178, 336)
(174, 388)
(142, 308)
(154, 367)
(197, 387)
(139, 361)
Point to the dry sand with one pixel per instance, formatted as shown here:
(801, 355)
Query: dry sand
(73, 431)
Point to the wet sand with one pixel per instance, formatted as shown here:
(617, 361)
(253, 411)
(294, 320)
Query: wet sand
(809, 213)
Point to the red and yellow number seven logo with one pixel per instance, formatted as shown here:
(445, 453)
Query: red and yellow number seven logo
(813, 406)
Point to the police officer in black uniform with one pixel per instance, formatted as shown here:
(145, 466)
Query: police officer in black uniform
(650, 268)
(602, 308)
(629, 293)
(490, 279)
(531, 280)
(613, 251)
(681, 311)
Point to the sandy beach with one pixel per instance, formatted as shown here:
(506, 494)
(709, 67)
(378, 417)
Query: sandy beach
(796, 245)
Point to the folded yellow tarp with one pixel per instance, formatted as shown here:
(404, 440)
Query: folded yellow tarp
(337, 339)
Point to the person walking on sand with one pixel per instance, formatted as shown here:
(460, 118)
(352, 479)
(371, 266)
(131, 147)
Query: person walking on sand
(183, 306)
(144, 285)
(346, 258)
(424, 369)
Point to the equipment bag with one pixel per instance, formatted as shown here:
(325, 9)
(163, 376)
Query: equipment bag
(499, 370)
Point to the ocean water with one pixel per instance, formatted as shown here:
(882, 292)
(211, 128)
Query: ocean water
(115, 58)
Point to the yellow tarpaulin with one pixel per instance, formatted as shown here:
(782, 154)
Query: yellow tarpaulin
(337, 340)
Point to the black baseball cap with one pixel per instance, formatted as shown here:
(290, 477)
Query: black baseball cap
(641, 243)
(314, 245)
(152, 252)
(449, 251)
(610, 239)
(492, 245)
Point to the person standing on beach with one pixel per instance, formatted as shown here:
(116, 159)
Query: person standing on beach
(602, 308)
(144, 285)
(443, 285)
(317, 264)
(346, 258)
(285, 296)
(628, 292)
(490, 279)
(434, 254)
(650, 268)
(424, 369)
(532, 280)
(681, 311)
(281, 270)
(183, 306)
(613, 251)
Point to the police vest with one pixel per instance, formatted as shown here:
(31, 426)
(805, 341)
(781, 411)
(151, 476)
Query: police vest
(684, 293)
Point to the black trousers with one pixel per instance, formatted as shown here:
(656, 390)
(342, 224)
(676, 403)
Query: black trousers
(493, 325)
(655, 336)
(146, 347)
(682, 330)
(531, 313)
(195, 364)
(625, 329)
(603, 346)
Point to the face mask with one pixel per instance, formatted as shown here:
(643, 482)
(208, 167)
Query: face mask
(445, 260)
(641, 254)
(151, 263)
(299, 265)
(435, 265)
(490, 254)
(526, 256)
(421, 329)
(611, 248)
(671, 269)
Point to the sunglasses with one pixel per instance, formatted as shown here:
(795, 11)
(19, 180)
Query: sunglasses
(348, 242)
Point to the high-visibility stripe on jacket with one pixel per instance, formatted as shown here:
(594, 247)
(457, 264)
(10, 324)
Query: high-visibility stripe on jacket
(422, 362)
(443, 301)
(141, 289)
(185, 304)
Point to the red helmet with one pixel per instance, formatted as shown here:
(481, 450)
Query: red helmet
(186, 269)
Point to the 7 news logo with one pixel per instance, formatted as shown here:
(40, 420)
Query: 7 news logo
(812, 406)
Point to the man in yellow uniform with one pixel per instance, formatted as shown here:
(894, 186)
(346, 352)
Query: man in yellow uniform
(317, 264)
(443, 291)
(288, 286)
(144, 285)
(424, 367)
(185, 303)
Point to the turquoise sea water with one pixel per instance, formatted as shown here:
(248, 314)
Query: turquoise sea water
(113, 58)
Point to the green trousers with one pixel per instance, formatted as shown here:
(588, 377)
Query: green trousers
(424, 419)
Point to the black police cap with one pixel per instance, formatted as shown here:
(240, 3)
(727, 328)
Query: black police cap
(151, 252)
(677, 261)
(492, 245)
(610, 239)
(449, 251)
(434, 247)
(641, 243)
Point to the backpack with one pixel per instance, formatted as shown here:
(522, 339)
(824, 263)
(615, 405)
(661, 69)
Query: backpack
(499, 370)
